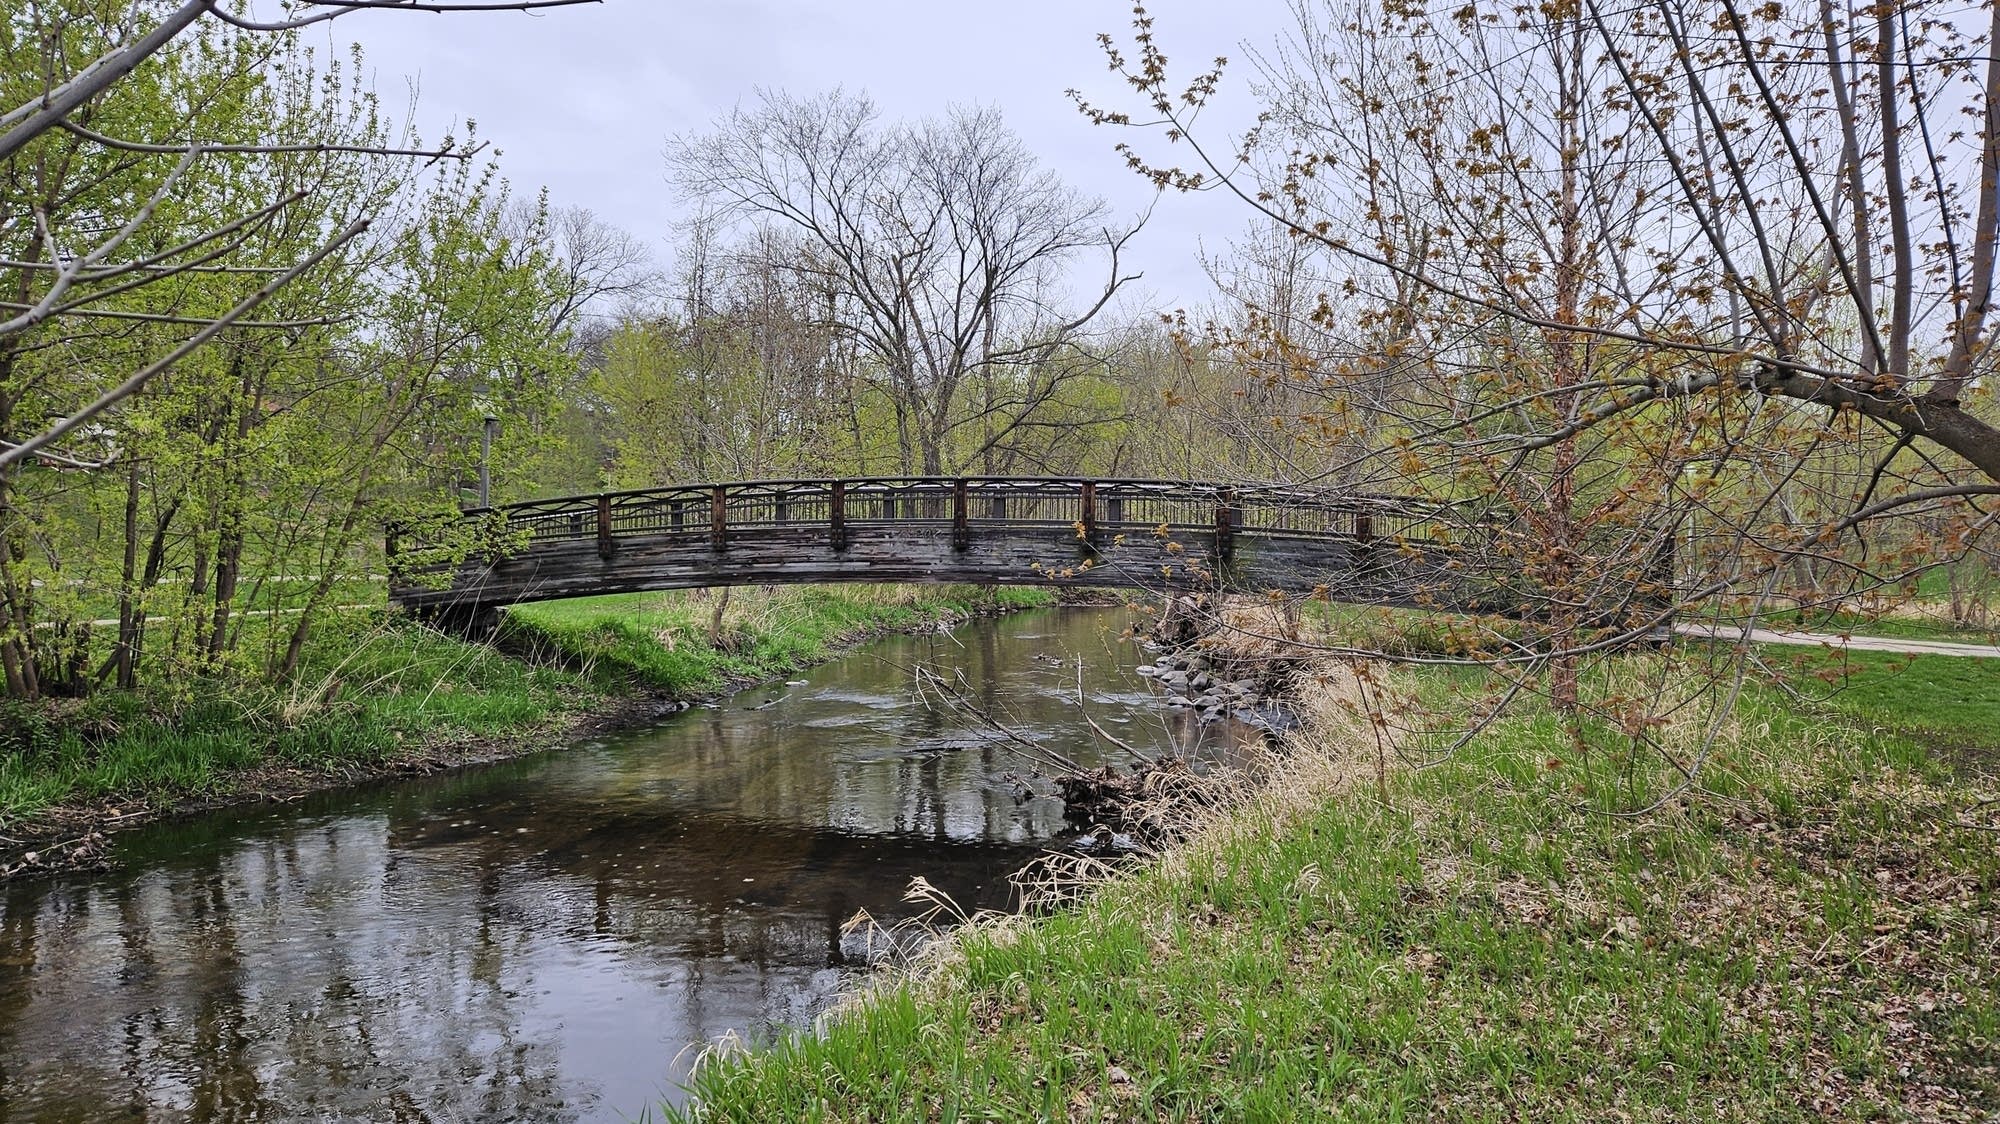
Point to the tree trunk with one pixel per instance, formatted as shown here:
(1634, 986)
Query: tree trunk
(16, 657)
(126, 655)
(1569, 358)
(329, 571)
(715, 618)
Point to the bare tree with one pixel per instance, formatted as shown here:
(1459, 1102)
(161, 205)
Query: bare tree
(1671, 276)
(1778, 144)
(940, 248)
(601, 269)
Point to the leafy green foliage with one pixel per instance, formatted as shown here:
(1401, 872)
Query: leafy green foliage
(256, 473)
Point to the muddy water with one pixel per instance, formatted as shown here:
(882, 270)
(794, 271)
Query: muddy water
(552, 938)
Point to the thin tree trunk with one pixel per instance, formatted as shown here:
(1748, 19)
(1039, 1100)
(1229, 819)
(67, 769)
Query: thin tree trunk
(1857, 188)
(715, 618)
(126, 655)
(329, 571)
(18, 652)
(15, 659)
(1562, 538)
(228, 569)
(1902, 249)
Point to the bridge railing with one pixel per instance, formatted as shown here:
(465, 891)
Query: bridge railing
(829, 510)
(697, 509)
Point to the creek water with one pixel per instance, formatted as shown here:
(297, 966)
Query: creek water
(556, 937)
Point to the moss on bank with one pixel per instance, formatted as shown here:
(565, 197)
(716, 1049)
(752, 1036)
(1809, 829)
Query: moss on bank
(379, 694)
(1814, 935)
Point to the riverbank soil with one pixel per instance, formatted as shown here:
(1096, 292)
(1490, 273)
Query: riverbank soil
(1812, 932)
(380, 696)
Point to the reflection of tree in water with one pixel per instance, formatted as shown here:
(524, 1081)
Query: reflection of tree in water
(197, 994)
(453, 948)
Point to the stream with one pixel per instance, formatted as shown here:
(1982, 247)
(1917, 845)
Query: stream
(554, 937)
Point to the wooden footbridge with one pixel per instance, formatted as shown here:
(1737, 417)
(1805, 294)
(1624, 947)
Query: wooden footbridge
(1146, 534)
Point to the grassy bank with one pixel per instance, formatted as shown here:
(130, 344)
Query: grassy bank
(662, 641)
(378, 694)
(374, 691)
(1810, 936)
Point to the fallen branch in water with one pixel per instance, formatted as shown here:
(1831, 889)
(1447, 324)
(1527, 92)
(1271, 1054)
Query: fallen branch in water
(1137, 755)
(928, 681)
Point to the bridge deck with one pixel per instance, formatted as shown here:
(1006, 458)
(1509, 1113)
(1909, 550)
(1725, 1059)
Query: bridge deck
(1130, 533)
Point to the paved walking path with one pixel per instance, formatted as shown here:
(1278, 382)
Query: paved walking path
(1855, 643)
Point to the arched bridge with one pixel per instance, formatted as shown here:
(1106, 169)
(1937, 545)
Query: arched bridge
(1148, 534)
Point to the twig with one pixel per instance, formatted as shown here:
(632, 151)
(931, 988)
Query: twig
(139, 379)
(1101, 731)
(1035, 751)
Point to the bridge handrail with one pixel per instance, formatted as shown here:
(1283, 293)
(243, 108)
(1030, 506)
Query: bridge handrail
(712, 508)
(1247, 491)
(1245, 494)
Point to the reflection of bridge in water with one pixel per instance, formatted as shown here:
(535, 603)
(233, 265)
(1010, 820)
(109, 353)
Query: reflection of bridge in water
(551, 938)
(1144, 534)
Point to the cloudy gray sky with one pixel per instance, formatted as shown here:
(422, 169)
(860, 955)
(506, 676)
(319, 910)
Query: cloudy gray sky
(582, 99)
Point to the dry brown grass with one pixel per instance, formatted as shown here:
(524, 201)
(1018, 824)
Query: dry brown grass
(1329, 752)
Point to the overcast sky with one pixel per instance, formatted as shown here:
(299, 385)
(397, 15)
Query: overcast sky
(582, 99)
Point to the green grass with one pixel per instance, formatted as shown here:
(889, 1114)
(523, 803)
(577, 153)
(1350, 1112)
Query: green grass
(372, 689)
(1409, 631)
(1895, 628)
(660, 640)
(1811, 937)
(1953, 698)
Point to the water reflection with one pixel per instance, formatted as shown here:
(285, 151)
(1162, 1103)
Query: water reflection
(546, 938)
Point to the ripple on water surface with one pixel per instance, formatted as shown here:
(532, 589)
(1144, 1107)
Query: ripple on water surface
(550, 938)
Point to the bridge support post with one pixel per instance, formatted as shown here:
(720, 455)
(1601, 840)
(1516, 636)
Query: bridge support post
(718, 518)
(1087, 518)
(1225, 525)
(1663, 580)
(836, 506)
(961, 516)
(1364, 543)
(606, 546)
